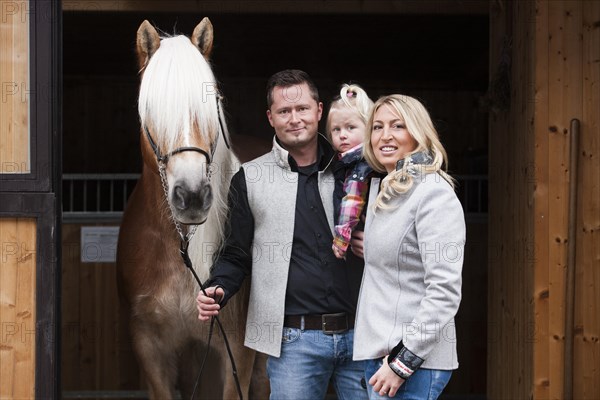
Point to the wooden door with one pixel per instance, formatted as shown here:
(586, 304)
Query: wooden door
(29, 205)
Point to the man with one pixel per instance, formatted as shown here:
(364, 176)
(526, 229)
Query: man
(302, 299)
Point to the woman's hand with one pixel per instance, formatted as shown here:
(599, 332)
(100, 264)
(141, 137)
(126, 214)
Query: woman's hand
(385, 381)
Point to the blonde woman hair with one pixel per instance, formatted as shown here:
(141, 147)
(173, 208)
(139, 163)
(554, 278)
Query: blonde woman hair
(420, 127)
(354, 97)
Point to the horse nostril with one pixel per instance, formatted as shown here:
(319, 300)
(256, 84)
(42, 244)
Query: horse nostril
(206, 196)
(192, 201)
(181, 198)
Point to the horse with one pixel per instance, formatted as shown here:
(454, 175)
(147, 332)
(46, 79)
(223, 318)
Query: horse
(181, 197)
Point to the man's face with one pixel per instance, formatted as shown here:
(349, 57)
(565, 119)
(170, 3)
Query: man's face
(294, 115)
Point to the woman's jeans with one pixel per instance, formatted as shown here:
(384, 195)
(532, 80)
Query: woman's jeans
(311, 359)
(424, 384)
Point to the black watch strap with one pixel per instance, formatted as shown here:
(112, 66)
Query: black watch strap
(403, 361)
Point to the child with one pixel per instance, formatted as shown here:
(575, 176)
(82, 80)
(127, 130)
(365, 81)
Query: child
(346, 128)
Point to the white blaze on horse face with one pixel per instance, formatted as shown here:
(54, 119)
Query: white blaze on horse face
(190, 191)
(178, 101)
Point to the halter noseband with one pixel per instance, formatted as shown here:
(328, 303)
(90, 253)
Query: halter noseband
(185, 238)
(163, 159)
(209, 157)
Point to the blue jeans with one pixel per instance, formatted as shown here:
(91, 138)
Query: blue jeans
(309, 360)
(424, 384)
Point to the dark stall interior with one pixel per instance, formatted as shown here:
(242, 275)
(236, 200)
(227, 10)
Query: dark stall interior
(440, 59)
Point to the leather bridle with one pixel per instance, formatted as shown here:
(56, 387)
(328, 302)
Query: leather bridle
(162, 160)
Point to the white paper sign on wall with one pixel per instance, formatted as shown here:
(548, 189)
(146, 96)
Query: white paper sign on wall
(99, 244)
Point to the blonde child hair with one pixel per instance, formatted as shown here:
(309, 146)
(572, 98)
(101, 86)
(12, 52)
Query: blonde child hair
(420, 126)
(354, 97)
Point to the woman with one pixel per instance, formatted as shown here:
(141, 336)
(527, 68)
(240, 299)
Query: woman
(414, 242)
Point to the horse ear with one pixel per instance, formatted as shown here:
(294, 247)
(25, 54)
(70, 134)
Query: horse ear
(147, 42)
(203, 37)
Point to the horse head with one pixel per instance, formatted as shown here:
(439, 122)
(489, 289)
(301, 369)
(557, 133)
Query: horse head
(179, 112)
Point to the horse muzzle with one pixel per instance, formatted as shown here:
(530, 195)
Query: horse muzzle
(191, 206)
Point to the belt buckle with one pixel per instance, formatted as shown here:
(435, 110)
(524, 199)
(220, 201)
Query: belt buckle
(327, 331)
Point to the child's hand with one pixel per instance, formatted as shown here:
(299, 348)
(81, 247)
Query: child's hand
(338, 252)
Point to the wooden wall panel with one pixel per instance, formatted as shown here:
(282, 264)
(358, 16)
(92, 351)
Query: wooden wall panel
(14, 78)
(96, 349)
(17, 308)
(567, 75)
(541, 289)
(587, 315)
(511, 228)
(70, 326)
(560, 44)
(564, 103)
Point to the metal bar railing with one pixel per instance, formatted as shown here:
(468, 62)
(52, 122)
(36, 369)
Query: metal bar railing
(472, 191)
(94, 197)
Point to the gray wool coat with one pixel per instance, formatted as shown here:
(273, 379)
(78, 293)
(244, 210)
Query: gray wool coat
(411, 287)
(272, 188)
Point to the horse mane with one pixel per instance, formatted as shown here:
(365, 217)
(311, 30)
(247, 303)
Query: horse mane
(177, 93)
(178, 90)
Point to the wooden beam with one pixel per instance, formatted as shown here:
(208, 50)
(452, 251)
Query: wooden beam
(511, 326)
(287, 6)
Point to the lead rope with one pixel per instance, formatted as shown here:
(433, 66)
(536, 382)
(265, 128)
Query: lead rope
(183, 250)
(188, 263)
(185, 240)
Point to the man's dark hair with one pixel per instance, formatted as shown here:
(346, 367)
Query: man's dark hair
(287, 78)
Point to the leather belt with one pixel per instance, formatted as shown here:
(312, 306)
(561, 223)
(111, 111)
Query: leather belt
(328, 323)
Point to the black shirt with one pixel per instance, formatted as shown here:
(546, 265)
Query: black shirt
(318, 282)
